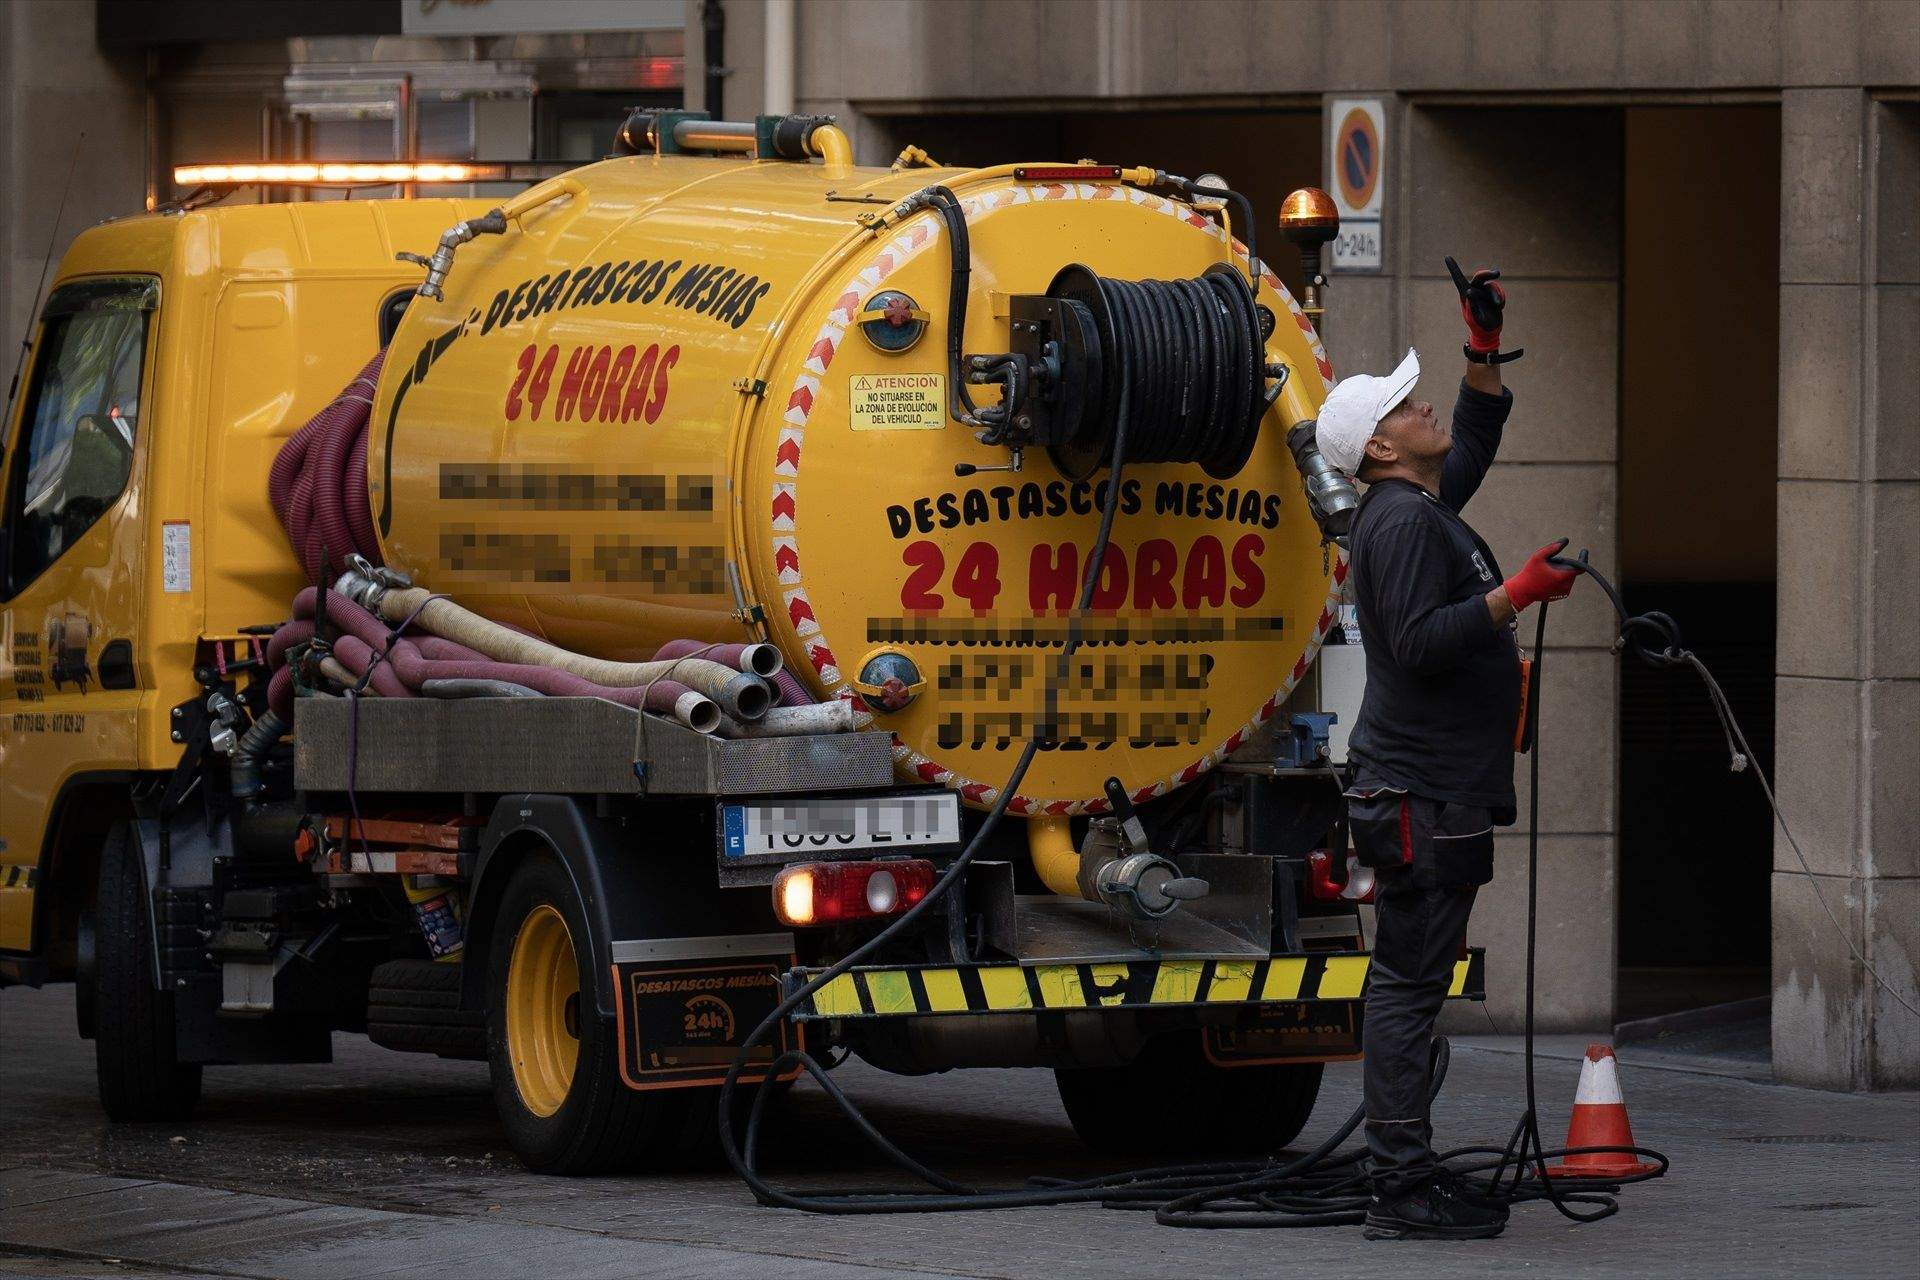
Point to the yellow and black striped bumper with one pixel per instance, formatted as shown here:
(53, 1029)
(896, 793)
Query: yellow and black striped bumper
(1124, 984)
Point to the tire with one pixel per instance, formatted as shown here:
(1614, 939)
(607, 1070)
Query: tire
(141, 1076)
(1262, 1109)
(413, 1006)
(1171, 1100)
(575, 1117)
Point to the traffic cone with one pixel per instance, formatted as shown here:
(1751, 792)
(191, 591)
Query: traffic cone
(1600, 1120)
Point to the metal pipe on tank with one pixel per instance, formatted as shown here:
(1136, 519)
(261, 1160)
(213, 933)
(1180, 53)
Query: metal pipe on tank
(1056, 857)
(714, 135)
(835, 716)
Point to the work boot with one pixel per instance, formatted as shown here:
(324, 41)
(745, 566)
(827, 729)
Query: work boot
(1466, 1190)
(1435, 1210)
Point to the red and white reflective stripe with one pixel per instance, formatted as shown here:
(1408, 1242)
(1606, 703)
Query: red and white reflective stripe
(920, 234)
(1599, 1079)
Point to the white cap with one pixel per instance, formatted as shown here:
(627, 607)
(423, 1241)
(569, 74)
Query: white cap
(1354, 408)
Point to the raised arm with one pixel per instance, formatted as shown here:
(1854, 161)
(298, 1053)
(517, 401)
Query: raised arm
(1479, 417)
(1482, 407)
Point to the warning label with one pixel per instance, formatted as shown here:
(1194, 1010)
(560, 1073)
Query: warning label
(176, 556)
(898, 401)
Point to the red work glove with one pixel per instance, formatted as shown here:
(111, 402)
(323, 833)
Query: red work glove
(1538, 580)
(1483, 304)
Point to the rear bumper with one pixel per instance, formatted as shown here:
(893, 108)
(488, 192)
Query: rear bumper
(1194, 982)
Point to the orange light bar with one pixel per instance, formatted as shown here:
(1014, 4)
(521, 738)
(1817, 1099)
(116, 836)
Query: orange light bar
(337, 174)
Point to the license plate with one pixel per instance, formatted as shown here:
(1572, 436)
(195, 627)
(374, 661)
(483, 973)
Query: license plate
(828, 827)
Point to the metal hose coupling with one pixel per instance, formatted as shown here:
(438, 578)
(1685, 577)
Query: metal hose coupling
(491, 223)
(1119, 869)
(367, 584)
(1145, 886)
(1331, 497)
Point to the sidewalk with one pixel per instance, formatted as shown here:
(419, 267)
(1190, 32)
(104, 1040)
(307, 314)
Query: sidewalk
(385, 1164)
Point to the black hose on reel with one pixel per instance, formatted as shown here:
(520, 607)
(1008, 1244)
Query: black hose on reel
(1193, 359)
(1187, 357)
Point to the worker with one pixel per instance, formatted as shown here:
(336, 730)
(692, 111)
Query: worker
(1433, 746)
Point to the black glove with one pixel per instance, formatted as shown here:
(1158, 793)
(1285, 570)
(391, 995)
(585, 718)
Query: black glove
(1483, 305)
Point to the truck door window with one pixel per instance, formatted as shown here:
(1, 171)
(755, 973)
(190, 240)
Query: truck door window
(391, 309)
(74, 451)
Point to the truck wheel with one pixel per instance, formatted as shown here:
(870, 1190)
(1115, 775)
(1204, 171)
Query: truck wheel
(555, 1063)
(1262, 1109)
(1170, 1099)
(414, 1006)
(141, 1076)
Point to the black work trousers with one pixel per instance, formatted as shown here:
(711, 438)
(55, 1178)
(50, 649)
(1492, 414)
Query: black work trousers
(1430, 857)
(1416, 943)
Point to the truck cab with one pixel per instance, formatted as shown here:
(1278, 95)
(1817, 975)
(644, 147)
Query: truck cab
(172, 356)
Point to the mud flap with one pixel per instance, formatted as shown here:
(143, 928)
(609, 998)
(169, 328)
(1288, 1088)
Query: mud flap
(681, 1019)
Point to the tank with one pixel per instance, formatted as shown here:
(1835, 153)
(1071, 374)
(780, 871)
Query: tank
(670, 401)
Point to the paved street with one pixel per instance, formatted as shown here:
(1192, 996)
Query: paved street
(388, 1164)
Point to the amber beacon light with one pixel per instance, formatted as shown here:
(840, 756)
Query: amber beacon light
(1309, 220)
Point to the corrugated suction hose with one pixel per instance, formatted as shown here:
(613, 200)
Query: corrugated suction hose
(318, 484)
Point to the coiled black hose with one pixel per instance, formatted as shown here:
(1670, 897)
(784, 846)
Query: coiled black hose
(1189, 356)
(1325, 1187)
(1193, 362)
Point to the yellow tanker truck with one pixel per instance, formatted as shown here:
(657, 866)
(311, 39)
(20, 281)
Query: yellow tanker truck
(562, 658)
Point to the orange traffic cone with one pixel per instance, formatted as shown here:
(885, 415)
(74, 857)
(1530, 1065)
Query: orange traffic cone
(1600, 1120)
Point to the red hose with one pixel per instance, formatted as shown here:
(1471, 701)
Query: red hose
(356, 655)
(318, 489)
(280, 693)
(290, 634)
(318, 483)
(786, 686)
(789, 689)
(441, 649)
(408, 664)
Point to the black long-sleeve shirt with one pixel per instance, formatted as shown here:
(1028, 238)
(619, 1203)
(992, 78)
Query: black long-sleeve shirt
(1443, 683)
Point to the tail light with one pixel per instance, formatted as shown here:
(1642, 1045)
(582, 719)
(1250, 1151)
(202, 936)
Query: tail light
(1320, 886)
(824, 893)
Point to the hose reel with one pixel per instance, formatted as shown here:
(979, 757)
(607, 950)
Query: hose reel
(1190, 356)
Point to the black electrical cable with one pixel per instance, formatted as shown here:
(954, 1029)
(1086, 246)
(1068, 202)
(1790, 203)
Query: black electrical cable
(1249, 227)
(856, 1201)
(1321, 1188)
(1668, 651)
(1224, 304)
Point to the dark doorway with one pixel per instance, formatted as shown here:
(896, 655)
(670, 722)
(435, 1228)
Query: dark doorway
(1262, 154)
(1699, 425)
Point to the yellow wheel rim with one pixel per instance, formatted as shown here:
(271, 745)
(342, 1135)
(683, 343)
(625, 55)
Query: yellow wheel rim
(543, 1002)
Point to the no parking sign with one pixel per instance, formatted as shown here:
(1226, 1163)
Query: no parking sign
(1356, 162)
